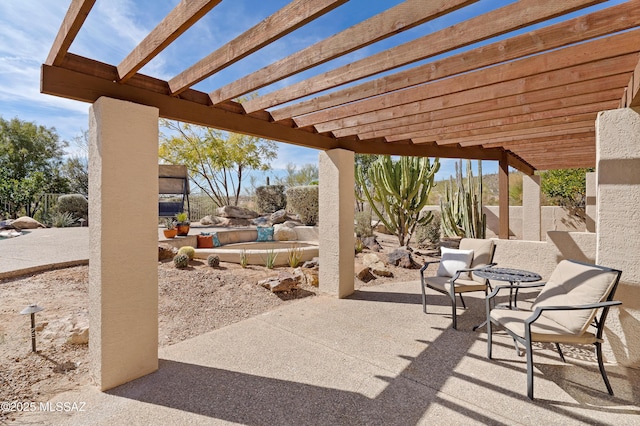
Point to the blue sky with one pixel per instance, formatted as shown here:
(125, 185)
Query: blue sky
(114, 27)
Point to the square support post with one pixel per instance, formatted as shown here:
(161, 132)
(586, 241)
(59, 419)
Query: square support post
(337, 200)
(531, 208)
(618, 225)
(123, 235)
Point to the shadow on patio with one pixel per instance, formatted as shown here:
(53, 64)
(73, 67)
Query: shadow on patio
(373, 358)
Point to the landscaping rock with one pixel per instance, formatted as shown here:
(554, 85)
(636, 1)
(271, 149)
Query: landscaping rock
(312, 277)
(236, 212)
(25, 222)
(313, 263)
(166, 251)
(371, 243)
(402, 258)
(209, 220)
(261, 221)
(285, 281)
(284, 233)
(279, 217)
(377, 266)
(382, 229)
(293, 223)
(365, 274)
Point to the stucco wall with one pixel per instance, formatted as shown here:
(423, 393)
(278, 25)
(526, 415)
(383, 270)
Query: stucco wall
(552, 218)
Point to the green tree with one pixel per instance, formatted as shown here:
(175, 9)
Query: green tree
(217, 161)
(76, 167)
(30, 161)
(398, 191)
(566, 188)
(303, 176)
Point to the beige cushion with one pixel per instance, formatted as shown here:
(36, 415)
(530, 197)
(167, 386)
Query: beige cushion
(443, 284)
(542, 330)
(452, 260)
(574, 284)
(482, 253)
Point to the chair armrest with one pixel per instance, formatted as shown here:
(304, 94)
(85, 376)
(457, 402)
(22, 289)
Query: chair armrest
(538, 311)
(426, 265)
(520, 286)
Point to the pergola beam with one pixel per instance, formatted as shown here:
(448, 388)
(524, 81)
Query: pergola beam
(291, 17)
(597, 24)
(611, 47)
(400, 18)
(482, 27)
(73, 20)
(180, 19)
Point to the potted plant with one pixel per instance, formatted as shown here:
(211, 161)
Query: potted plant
(170, 231)
(182, 224)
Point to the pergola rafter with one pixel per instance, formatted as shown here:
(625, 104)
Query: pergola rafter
(486, 102)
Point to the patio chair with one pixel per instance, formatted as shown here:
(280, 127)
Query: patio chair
(456, 267)
(565, 311)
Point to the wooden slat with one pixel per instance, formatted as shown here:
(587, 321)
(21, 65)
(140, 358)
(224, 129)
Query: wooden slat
(288, 19)
(402, 17)
(609, 47)
(579, 138)
(497, 120)
(606, 88)
(73, 20)
(181, 18)
(600, 23)
(512, 93)
(633, 93)
(496, 22)
(453, 116)
(516, 135)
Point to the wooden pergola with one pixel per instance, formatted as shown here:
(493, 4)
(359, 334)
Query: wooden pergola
(528, 101)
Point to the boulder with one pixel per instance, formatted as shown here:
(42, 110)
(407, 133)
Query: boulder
(261, 221)
(209, 220)
(73, 330)
(236, 212)
(377, 266)
(285, 281)
(365, 274)
(166, 251)
(371, 243)
(293, 223)
(402, 258)
(284, 233)
(306, 276)
(279, 217)
(25, 222)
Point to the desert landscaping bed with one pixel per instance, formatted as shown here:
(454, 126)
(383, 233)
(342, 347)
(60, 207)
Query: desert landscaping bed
(192, 301)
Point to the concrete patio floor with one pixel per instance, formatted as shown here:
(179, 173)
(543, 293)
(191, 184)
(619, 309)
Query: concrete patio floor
(373, 358)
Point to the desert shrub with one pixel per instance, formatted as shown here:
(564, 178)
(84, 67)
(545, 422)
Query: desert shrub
(429, 234)
(303, 201)
(74, 204)
(188, 250)
(270, 198)
(363, 226)
(181, 260)
(213, 261)
(294, 255)
(63, 219)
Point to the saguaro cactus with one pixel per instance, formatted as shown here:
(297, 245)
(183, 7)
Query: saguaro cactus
(398, 192)
(461, 208)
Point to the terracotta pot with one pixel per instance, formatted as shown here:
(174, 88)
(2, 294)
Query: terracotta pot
(170, 233)
(183, 230)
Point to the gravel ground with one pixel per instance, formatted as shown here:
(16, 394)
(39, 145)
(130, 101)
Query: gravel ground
(192, 301)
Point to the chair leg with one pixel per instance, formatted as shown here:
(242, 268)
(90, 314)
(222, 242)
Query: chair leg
(462, 300)
(529, 370)
(424, 298)
(453, 312)
(601, 365)
(489, 337)
(560, 352)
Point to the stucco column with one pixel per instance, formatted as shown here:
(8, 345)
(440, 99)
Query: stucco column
(531, 208)
(336, 198)
(618, 224)
(123, 234)
(590, 202)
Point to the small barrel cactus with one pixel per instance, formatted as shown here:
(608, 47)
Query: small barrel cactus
(188, 250)
(181, 260)
(213, 261)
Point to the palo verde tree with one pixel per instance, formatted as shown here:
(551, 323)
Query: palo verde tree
(217, 161)
(567, 187)
(30, 165)
(397, 192)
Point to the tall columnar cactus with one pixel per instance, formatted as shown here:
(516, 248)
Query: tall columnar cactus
(461, 208)
(398, 192)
